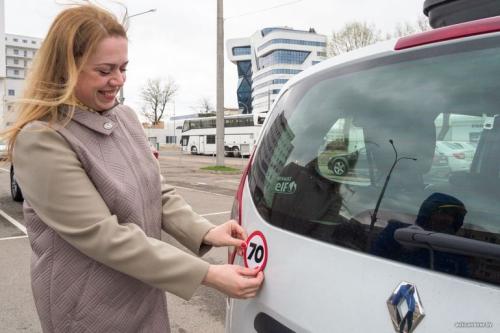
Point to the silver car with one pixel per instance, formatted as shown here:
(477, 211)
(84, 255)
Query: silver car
(393, 247)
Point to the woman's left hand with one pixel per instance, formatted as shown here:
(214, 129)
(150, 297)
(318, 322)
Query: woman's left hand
(227, 234)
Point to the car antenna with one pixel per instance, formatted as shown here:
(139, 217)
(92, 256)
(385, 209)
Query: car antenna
(381, 195)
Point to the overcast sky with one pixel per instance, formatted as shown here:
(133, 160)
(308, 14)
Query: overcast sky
(179, 39)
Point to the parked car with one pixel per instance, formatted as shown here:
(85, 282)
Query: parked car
(15, 190)
(155, 151)
(340, 164)
(3, 151)
(456, 156)
(397, 252)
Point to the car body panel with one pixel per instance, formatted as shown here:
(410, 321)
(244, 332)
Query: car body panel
(346, 291)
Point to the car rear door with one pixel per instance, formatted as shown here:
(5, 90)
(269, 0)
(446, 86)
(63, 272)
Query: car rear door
(390, 249)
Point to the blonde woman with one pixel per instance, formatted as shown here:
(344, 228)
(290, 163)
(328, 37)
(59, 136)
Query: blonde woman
(94, 201)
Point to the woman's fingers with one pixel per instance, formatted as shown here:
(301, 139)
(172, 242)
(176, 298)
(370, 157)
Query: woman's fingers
(253, 279)
(238, 231)
(234, 281)
(228, 234)
(245, 271)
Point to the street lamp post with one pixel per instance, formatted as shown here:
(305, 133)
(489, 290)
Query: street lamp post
(145, 12)
(121, 99)
(219, 121)
(175, 129)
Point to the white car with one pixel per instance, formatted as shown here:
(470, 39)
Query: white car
(457, 156)
(3, 151)
(395, 251)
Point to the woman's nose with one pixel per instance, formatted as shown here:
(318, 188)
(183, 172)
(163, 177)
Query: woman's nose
(118, 79)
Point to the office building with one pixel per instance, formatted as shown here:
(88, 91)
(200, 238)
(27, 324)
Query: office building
(268, 59)
(16, 55)
(19, 53)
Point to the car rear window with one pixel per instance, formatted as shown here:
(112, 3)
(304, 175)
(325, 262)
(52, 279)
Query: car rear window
(391, 156)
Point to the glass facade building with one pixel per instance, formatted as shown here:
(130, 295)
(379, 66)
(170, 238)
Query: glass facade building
(268, 59)
(267, 83)
(277, 71)
(290, 41)
(242, 50)
(244, 90)
(283, 57)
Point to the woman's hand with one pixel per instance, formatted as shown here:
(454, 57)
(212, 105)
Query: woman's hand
(227, 234)
(234, 281)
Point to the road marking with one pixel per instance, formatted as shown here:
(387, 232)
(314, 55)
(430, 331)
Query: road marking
(218, 213)
(5, 170)
(13, 221)
(15, 237)
(201, 191)
(228, 181)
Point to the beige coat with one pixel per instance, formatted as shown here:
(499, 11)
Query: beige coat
(94, 210)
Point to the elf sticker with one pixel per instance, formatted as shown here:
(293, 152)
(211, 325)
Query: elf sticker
(255, 252)
(285, 185)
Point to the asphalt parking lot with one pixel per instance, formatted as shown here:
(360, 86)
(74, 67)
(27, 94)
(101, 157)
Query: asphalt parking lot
(210, 194)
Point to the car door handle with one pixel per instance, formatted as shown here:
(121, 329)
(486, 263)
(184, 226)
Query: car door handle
(264, 323)
(447, 243)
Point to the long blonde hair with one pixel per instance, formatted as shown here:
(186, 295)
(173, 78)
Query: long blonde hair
(72, 38)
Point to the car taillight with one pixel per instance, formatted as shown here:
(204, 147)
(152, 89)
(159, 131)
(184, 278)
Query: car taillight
(459, 156)
(237, 207)
(466, 29)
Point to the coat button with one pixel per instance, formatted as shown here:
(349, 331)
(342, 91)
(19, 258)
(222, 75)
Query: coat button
(108, 125)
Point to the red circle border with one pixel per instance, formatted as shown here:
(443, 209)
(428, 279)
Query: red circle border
(256, 233)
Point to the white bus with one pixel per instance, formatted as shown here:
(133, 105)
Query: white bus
(240, 134)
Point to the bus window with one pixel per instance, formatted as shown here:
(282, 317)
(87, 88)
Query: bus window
(210, 139)
(184, 140)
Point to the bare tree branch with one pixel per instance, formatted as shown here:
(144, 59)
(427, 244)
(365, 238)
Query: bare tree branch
(352, 36)
(157, 94)
(204, 105)
(355, 35)
(407, 28)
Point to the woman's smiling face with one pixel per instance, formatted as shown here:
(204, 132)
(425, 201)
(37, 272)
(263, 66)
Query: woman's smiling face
(104, 74)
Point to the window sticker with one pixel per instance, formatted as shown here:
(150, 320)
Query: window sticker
(285, 185)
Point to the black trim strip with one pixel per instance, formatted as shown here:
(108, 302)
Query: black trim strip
(264, 323)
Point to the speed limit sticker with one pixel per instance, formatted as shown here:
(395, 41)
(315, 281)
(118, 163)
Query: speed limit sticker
(256, 252)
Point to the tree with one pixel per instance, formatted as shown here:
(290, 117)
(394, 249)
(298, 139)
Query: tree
(352, 36)
(407, 28)
(157, 94)
(204, 105)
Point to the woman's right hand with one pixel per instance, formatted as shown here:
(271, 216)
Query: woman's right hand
(234, 281)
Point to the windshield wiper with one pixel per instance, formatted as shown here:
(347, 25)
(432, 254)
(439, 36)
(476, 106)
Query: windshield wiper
(436, 241)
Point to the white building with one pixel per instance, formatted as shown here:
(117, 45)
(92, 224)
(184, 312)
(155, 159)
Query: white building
(268, 59)
(19, 53)
(2, 58)
(16, 55)
(170, 133)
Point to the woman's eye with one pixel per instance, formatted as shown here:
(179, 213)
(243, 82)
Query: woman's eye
(103, 72)
(123, 70)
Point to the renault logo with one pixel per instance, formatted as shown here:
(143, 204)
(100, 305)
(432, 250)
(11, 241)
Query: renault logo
(405, 308)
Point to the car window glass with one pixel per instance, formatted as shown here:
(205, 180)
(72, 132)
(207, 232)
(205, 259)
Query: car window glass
(362, 158)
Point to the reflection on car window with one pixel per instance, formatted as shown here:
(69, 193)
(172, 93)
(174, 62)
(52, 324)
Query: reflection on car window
(343, 157)
(326, 155)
